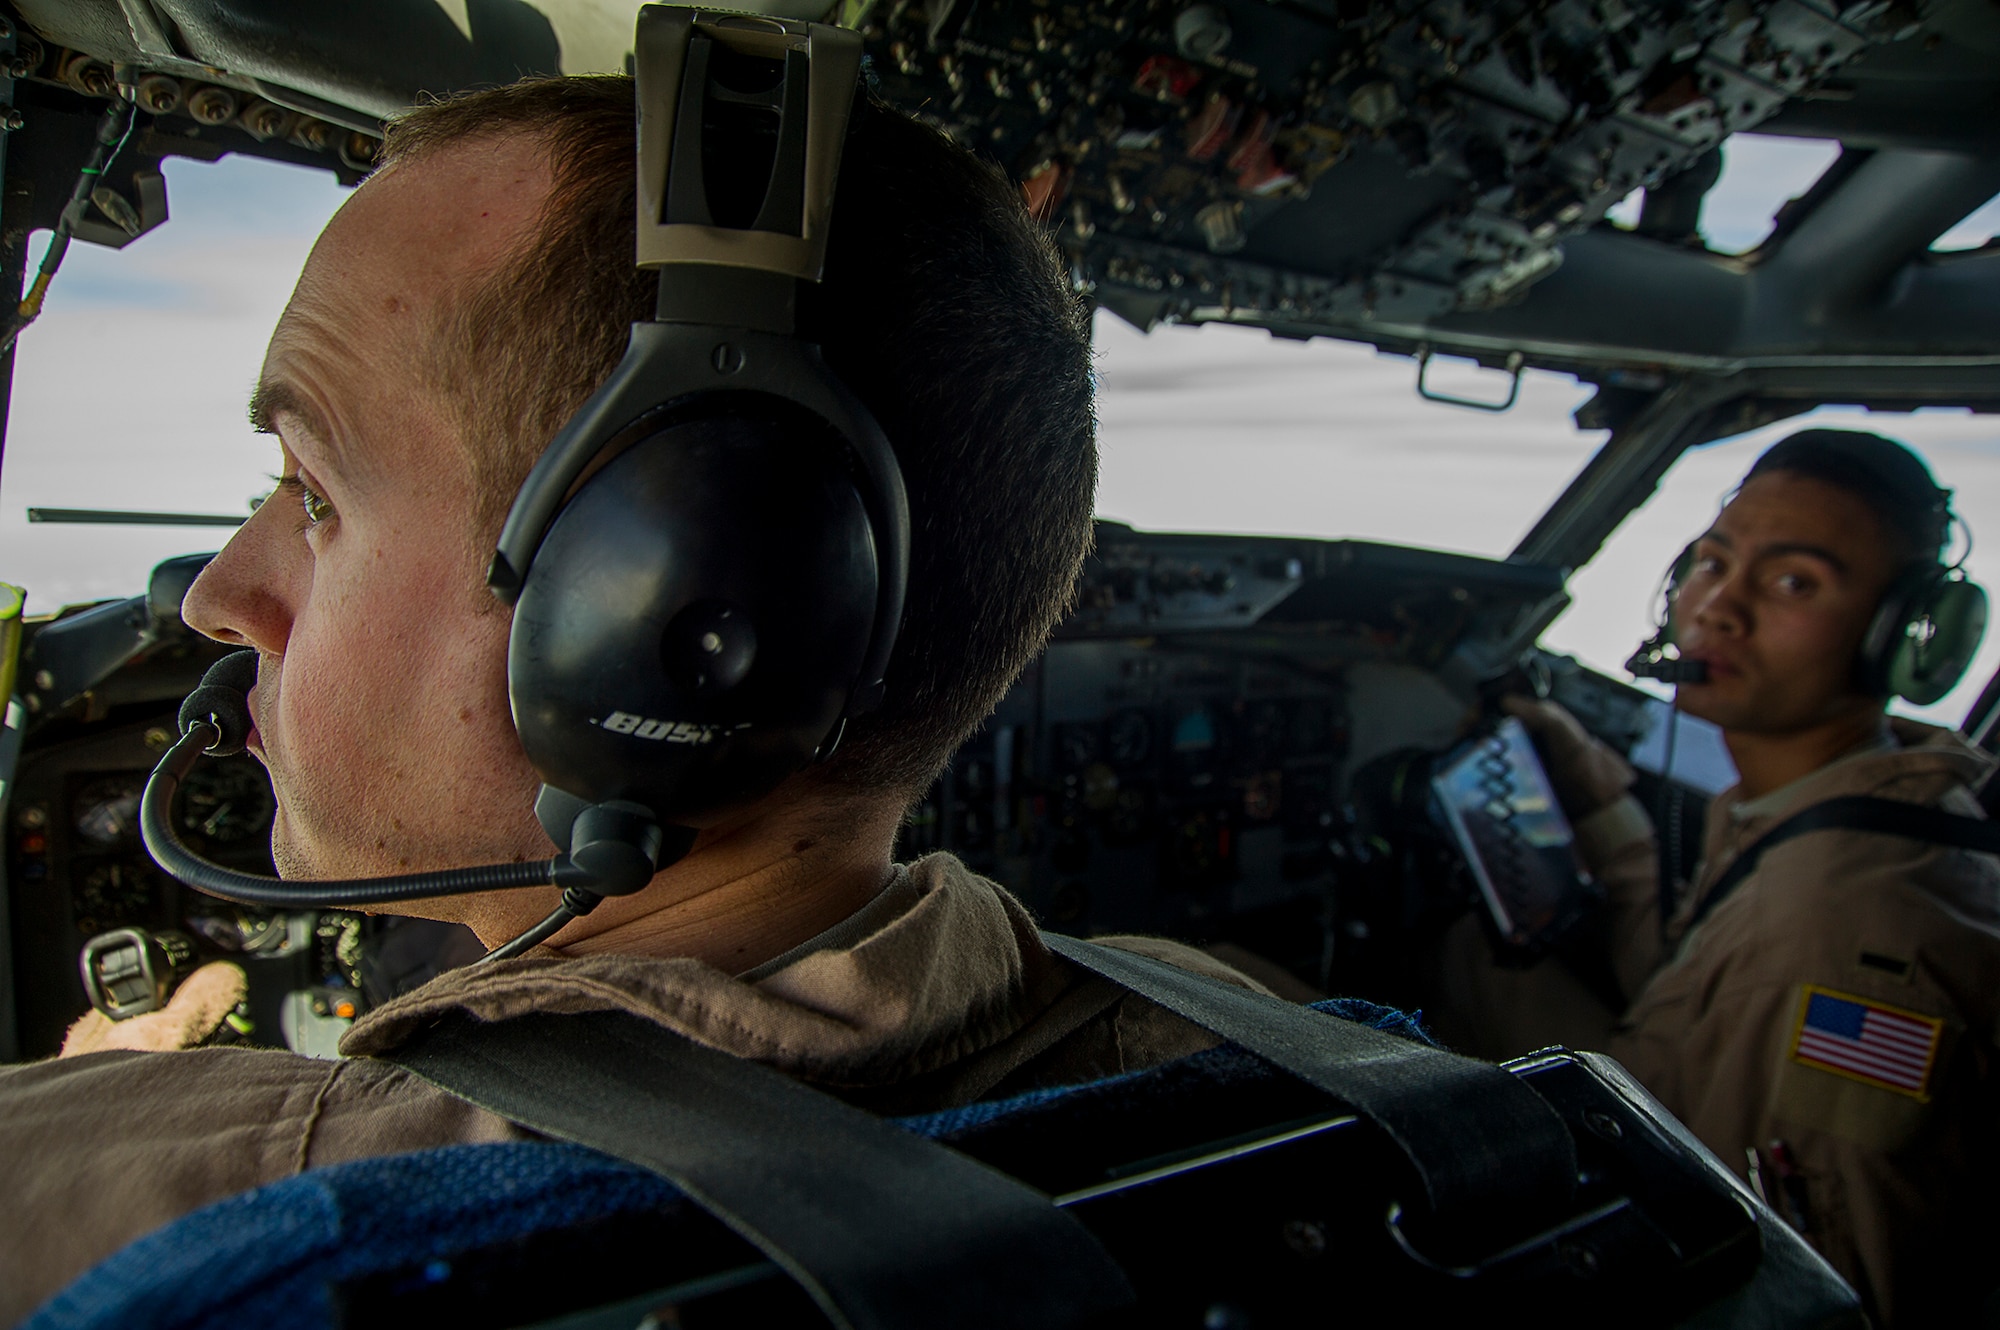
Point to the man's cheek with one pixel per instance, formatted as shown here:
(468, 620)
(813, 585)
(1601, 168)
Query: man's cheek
(334, 708)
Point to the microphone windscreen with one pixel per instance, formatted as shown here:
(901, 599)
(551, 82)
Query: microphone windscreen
(1670, 671)
(221, 699)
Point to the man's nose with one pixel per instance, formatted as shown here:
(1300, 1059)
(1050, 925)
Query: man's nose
(243, 597)
(1716, 607)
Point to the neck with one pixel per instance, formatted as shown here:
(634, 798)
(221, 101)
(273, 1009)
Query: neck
(1767, 762)
(748, 891)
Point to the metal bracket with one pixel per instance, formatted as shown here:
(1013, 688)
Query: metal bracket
(1515, 364)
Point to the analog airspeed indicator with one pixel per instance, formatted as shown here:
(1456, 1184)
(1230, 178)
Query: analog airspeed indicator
(226, 803)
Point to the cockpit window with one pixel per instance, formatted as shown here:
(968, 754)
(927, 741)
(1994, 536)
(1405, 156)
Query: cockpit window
(1615, 595)
(129, 394)
(1975, 231)
(129, 391)
(1232, 430)
(1761, 173)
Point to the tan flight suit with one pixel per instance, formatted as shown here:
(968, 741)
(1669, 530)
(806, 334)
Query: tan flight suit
(1892, 1182)
(937, 993)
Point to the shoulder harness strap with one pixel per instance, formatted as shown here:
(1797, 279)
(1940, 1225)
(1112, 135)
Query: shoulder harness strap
(826, 1190)
(1484, 1144)
(1855, 812)
(884, 1229)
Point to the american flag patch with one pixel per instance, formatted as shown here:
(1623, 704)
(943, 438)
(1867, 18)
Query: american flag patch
(1866, 1041)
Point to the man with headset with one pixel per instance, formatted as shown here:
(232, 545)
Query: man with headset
(460, 308)
(1828, 1019)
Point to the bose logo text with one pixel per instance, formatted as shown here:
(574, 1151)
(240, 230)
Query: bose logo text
(669, 731)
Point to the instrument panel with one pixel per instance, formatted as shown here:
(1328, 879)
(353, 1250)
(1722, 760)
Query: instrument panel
(1130, 787)
(77, 868)
(1183, 758)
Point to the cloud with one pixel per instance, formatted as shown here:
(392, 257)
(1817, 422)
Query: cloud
(1267, 436)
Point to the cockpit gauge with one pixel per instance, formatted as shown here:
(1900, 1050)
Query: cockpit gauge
(1100, 787)
(1131, 739)
(1311, 728)
(108, 895)
(1076, 746)
(226, 802)
(106, 812)
(1264, 731)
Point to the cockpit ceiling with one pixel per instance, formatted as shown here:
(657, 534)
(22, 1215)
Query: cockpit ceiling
(1418, 175)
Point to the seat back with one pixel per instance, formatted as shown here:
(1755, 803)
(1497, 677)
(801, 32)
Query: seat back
(1217, 1181)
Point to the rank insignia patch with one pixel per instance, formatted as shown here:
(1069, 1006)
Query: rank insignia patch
(1866, 1041)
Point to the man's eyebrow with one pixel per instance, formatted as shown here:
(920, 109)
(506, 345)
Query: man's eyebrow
(1820, 552)
(272, 398)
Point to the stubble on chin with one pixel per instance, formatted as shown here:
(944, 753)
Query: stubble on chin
(290, 858)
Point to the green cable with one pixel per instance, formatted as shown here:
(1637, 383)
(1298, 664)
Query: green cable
(100, 160)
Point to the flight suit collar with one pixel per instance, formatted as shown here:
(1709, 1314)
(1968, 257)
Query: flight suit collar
(959, 969)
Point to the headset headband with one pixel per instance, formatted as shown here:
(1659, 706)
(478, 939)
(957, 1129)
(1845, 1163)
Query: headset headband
(727, 292)
(677, 51)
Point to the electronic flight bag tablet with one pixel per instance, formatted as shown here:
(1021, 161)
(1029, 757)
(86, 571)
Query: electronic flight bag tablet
(1501, 809)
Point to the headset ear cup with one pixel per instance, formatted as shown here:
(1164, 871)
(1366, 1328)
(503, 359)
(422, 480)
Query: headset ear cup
(1677, 576)
(696, 615)
(1939, 635)
(1887, 629)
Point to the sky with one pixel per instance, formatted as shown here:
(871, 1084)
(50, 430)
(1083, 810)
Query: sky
(129, 392)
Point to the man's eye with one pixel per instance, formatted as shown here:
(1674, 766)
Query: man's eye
(315, 504)
(1792, 584)
(1706, 566)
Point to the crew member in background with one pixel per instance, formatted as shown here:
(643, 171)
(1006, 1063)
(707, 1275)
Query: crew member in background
(1829, 1024)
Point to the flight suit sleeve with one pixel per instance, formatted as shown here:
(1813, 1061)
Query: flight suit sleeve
(1614, 836)
(1618, 846)
(1858, 1168)
(1497, 1011)
(103, 1147)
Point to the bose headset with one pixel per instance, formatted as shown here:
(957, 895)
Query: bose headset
(707, 565)
(1918, 645)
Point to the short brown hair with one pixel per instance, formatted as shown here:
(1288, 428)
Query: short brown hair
(945, 309)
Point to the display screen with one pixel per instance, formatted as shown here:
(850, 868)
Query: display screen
(1500, 807)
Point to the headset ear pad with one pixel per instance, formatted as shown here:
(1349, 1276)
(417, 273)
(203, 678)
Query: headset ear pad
(1677, 576)
(1925, 635)
(697, 613)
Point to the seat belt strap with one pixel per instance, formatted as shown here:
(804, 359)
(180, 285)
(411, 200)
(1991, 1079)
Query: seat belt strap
(885, 1230)
(1485, 1145)
(1855, 812)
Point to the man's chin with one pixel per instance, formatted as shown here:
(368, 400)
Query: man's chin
(301, 860)
(1715, 702)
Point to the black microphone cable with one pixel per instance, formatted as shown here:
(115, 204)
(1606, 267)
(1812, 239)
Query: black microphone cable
(1667, 812)
(155, 826)
(621, 844)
